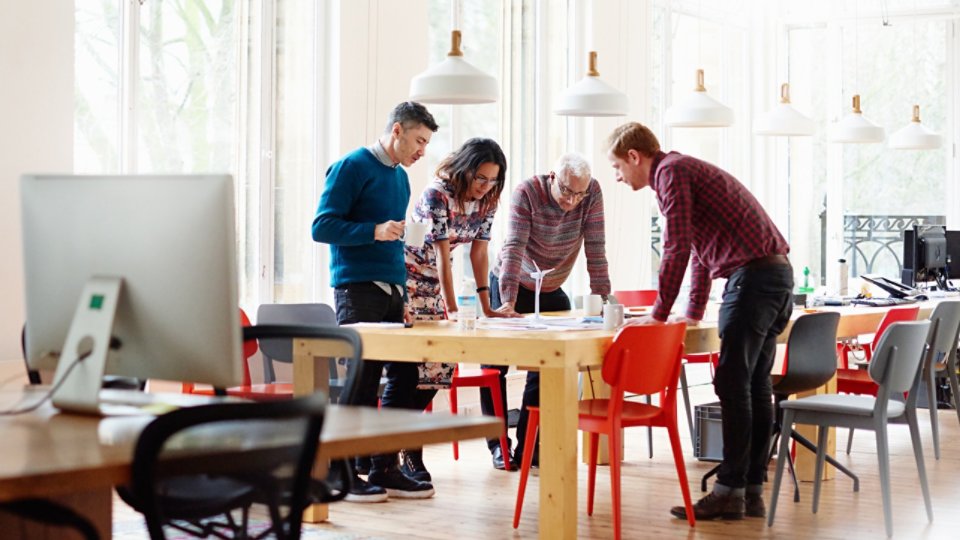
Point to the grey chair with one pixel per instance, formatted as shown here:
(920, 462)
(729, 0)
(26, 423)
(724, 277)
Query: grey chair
(943, 351)
(298, 314)
(942, 355)
(281, 350)
(896, 368)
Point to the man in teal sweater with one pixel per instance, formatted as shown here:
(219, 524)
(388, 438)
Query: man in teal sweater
(361, 215)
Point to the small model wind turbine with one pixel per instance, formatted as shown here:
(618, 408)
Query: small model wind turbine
(538, 277)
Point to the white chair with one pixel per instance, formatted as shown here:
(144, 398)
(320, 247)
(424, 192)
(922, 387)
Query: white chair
(896, 368)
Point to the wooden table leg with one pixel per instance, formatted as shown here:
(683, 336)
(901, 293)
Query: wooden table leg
(308, 377)
(558, 453)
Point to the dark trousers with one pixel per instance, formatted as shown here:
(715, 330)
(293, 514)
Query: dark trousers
(757, 303)
(367, 302)
(550, 301)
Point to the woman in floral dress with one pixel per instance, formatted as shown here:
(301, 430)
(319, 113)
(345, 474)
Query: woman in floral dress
(458, 205)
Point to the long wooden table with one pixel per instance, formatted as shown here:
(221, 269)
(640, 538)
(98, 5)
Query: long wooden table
(79, 459)
(559, 356)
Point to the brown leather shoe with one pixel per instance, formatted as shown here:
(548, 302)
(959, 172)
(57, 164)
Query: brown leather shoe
(714, 506)
(754, 507)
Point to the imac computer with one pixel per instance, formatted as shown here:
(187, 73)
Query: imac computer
(132, 276)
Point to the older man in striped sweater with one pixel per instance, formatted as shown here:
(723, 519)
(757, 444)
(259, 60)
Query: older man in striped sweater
(551, 216)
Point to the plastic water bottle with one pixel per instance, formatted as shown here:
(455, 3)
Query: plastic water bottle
(467, 306)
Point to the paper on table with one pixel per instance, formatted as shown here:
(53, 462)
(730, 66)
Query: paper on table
(375, 325)
(541, 323)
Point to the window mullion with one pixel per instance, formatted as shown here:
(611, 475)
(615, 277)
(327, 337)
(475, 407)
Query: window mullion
(129, 84)
(267, 149)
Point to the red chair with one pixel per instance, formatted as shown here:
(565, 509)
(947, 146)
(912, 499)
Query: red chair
(256, 392)
(647, 297)
(858, 381)
(484, 378)
(641, 360)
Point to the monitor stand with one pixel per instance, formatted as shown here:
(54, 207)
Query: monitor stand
(78, 389)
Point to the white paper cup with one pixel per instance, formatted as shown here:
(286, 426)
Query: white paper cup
(592, 304)
(414, 233)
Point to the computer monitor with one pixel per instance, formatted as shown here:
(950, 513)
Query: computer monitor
(953, 254)
(924, 254)
(140, 271)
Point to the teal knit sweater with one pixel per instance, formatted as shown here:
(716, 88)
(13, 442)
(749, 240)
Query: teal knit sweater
(359, 193)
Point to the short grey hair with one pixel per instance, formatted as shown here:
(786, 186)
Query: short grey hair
(573, 165)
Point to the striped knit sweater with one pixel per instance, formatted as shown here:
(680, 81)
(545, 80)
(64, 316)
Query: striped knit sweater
(539, 230)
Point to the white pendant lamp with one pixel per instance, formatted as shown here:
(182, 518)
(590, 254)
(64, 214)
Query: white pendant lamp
(454, 81)
(855, 128)
(784, 119)
(698, 109)
(591, 96)
(915, 136)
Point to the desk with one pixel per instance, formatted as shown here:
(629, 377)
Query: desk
(78, 459)
(558, 355)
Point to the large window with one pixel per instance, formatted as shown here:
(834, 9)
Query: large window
(865, 194)
(200, 86)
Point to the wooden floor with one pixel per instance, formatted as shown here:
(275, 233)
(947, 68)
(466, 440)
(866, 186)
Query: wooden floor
(474, 501)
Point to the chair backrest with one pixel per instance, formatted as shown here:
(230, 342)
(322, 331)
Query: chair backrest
(897, 358)
(645, 360)
(236, 453)
(947, 318)
(908, 313)
(638, 298)
(281, 350)
(249, 348)
(811, 358)
(341, 343)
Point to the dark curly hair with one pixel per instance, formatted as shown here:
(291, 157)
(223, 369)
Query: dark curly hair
(460, 168)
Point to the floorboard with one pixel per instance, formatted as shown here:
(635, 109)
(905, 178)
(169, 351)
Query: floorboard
(474, 501)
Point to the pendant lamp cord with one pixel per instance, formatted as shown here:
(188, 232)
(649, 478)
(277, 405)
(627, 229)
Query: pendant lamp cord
(856, 45)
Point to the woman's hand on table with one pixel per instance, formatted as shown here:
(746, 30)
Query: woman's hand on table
(506, 310)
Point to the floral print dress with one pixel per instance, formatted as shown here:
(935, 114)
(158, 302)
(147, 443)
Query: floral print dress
(438, 207)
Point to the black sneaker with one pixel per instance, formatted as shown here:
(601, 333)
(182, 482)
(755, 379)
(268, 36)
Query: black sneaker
(362, 465)
(400, 485)
(713, 506)
(411, 464)
(365, 492)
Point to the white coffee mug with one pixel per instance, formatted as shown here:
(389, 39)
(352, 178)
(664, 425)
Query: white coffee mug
(414, 233)
(612, 316)
(592, 304)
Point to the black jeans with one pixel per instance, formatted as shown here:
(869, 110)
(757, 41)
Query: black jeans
(757, 303)
(367, 302)
(550, 301)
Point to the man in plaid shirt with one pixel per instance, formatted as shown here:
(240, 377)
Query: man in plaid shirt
(716, 224)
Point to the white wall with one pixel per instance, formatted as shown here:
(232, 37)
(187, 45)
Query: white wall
(36, 129)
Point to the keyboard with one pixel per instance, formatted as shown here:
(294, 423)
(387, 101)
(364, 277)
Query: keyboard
(882, 302)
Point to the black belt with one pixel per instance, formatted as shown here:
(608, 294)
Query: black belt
(775, 259)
